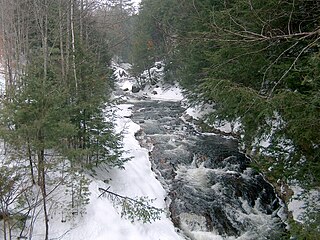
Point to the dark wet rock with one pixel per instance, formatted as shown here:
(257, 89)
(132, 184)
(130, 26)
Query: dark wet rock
(187, 117)
(159, 66)
(122, 73)
(135, 89)
(154, 81)
(126, 89)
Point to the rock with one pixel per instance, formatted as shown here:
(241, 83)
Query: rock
(187, 117)
(211, 187)
(126, 89)
(158, 66)
(135, 89)
(154, 92)
(143, 86)
(122, 73)
(154, 81)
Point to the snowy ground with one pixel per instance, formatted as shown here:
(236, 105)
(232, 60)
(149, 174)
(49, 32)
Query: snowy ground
(303, 202)
(103, 220)
(200, 111)
(157, 91)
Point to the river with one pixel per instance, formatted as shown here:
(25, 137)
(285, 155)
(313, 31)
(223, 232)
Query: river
(212, 190)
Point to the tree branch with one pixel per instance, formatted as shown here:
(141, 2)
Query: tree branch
(106, 191)
(291, 66)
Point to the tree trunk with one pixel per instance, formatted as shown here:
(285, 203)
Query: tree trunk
(4, 227)
(63, 75)
(30, 161)
(81, 20)
(42, 184)
(67, 45)
(73, 46)
(45, 41)
(7, 44)
(41, 139)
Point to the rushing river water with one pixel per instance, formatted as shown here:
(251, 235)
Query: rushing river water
(211, 188)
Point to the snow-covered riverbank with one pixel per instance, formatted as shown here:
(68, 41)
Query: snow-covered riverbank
(102, 219)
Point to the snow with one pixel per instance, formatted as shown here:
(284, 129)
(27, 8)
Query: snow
(127, 85)
(137, 179)
(200, 112)
(296, 204)
(158, 91)
(227, 127)
(103, 220)
(165, 93)
(136, 4)
(303, 202)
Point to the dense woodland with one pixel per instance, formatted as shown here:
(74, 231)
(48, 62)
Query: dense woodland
(257, 62)
(56, 59)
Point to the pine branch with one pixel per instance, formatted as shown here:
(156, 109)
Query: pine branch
(134, 209)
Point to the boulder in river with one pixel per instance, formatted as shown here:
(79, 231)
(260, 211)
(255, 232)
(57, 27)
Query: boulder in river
(135, 89)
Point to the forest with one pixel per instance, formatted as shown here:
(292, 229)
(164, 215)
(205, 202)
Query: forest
(57, 82)
(256, 62)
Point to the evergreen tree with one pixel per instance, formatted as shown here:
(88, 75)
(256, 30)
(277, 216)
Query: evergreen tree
(53, 110)
(149, 38)
(258, 62)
